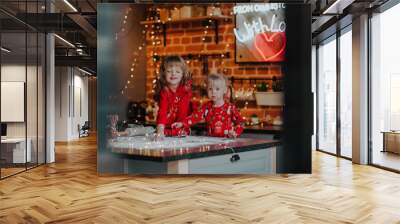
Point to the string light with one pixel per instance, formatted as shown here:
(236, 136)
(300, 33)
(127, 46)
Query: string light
(135, 54)
(123, 31)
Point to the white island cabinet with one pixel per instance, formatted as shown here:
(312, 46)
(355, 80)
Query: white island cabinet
(196, 155)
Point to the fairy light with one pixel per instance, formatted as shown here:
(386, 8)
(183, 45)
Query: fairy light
(136, 53)
(123, 30)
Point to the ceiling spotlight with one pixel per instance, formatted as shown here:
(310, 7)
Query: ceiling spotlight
(337, 7)
(70, 5)
(84, 71)
(5, 50)
(65, 41)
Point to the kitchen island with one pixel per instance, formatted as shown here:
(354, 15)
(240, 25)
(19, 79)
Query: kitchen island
(196, 155)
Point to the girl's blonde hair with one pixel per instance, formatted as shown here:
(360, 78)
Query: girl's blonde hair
(162, 82)
(218, 76)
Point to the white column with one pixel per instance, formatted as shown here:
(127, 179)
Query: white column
(360, 90)
(50, 94)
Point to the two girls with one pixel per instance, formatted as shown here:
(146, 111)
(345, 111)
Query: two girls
(174, 95)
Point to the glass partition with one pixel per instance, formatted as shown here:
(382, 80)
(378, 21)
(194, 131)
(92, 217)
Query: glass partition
(31, 99)
(22, 92)
(327, 96)
(346, 93)
(14, 153)
(385, 89)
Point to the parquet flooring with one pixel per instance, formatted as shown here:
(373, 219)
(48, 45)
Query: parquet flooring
(70, 191)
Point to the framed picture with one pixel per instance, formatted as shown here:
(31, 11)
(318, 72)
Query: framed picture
(260, 32)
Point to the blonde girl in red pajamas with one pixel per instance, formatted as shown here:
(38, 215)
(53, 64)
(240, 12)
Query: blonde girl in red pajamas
(173, 93)
(222, 117)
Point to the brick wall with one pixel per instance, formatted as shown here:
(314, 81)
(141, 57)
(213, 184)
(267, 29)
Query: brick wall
(185, 38)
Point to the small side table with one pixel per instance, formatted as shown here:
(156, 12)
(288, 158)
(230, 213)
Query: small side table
(391, 141)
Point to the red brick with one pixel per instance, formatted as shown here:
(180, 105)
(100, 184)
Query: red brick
(176, 40)
(275, 70)
(222, 29)
(238, 71)
(214, 47)
(230, 63)
(186, 40)
(217, 63)
(174, 48)
(193, 48)
(197, 39)
(227, 71)
(229, 38)
(250, 71)
(195, 32)
(207, 39)
(263, 71)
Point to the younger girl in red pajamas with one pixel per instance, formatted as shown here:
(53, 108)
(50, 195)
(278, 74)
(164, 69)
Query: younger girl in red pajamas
(221, 116)
(173, 93)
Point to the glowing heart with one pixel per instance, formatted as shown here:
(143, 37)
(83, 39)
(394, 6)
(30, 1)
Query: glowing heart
(271, 46)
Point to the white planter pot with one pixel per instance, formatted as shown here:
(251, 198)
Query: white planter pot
(270, 98)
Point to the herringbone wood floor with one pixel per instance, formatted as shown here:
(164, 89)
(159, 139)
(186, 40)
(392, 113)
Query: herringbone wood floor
(70, 191)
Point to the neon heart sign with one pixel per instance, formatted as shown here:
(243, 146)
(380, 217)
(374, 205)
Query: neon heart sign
(260, 32)
(271, 47)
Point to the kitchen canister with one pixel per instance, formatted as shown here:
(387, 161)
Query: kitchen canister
(186, 12)
(198, 11)
(164, 14)
(213, 11)
(175, 13)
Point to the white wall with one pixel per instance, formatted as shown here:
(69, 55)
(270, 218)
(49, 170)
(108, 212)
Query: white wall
(33, 126)
(71, 93)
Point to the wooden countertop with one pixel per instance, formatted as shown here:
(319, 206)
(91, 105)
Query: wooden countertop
(266, 129)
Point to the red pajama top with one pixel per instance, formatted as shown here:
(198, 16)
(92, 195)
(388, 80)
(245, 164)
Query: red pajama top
(219, 119)
(174, 107)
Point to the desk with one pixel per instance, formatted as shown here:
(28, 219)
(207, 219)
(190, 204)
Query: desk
(15, 148)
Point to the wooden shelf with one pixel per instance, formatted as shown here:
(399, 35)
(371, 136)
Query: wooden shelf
(214, 19)
(192, 19)
(254, 77)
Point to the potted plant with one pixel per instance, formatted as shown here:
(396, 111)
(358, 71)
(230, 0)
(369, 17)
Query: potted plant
(273, 98)
(254, 119)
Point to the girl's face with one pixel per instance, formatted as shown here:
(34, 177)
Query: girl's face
(173, 74)
(216, 90)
